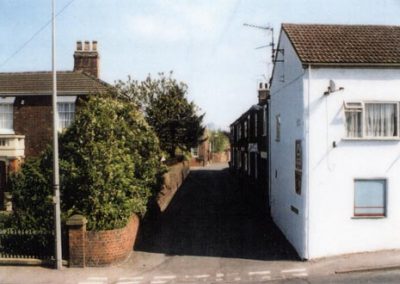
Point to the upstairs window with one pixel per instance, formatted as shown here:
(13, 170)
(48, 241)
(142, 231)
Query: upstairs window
(245, 129)
(353, 114)
(278, 128)
(66, 111)
(264, 127)
(7, 115)
(255, 124)
(371, 120)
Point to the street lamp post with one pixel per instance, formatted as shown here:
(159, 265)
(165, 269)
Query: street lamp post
(56, 176)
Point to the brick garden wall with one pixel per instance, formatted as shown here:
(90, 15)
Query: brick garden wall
(172, 180)
(100, 248)
(107, 247)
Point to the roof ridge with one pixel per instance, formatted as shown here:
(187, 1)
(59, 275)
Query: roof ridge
(35, 72)
(339, 25)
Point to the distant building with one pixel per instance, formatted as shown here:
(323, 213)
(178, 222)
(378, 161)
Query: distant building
(335, 142)
(201, 155)
(26, 107)
(249, 155)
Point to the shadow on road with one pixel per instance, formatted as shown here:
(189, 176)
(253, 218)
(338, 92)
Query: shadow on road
(215, 214)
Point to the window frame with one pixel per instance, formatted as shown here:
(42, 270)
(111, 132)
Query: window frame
(255, 124)
(264, 132)
(278, 128)
(65, 100)
(245, 127)
(347, 107)
(385, 199)
(9, 101)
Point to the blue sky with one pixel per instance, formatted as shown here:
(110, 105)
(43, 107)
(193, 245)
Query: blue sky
(203, 41)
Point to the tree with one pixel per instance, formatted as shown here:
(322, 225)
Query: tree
(167, 109)
(219, 141)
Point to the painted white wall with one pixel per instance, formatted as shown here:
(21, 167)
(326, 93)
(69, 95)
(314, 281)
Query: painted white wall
(287, 101)
(333, 170)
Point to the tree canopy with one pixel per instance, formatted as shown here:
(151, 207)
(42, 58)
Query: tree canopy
(167, 109)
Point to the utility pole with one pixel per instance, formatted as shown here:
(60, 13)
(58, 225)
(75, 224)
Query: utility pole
(56, 174)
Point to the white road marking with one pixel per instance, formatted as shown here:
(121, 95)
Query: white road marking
(300, 274)
(165, 277)
(133, 278)
(237, 279)
(128, 282)
(266, 277)
(219, 275)
(295, 270)
(158, 281)
(91, 282)
(202, 276)
(259, 272)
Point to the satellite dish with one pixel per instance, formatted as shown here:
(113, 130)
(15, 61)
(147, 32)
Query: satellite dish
(332, 86)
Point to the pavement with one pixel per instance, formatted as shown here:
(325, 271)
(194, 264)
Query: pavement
(215, 230)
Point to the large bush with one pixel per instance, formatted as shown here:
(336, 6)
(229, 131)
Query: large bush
(109, 164)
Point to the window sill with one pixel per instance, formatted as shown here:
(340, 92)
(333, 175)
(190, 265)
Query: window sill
(7, 132)
(372, 139)
(368, 217)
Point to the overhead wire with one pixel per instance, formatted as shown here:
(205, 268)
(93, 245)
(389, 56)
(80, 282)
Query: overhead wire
(34, 35)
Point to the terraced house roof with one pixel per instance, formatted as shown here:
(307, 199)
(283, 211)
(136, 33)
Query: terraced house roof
(345, 44)
(40, 83)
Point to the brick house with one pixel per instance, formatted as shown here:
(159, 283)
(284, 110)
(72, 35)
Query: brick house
(248, 139)
(26, 107)
(200, 155)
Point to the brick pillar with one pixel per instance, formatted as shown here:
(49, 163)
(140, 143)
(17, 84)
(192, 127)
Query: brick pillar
(77, 239)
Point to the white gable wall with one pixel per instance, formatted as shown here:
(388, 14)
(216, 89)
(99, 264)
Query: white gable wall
(333, 230)
(287, 101)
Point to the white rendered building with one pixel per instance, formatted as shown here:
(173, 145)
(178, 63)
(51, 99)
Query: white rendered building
(334, 138)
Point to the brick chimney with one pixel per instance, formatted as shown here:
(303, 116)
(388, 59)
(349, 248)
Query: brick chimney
(86, 58)
(263, 93)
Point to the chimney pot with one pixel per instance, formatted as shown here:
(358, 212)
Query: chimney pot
(94, 45)
(87, 46)
(78, 45)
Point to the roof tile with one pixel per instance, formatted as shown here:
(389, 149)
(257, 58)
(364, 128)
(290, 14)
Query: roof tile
(345, 44)
(68, 82)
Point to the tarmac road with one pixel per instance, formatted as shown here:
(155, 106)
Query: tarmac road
(215, 214)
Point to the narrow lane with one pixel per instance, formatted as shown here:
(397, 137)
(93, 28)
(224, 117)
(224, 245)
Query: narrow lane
(215, 214)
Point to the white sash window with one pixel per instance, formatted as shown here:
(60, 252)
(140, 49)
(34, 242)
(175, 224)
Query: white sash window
(66, 111)
(7, 115)
(371, 120)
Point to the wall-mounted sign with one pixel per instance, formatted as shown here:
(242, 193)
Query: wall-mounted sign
(253, 147)
(298, 166)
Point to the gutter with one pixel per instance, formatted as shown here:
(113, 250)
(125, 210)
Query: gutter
(350, 65)
(307, 175)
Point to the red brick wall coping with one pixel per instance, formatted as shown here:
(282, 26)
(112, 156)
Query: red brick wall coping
(99, 248)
